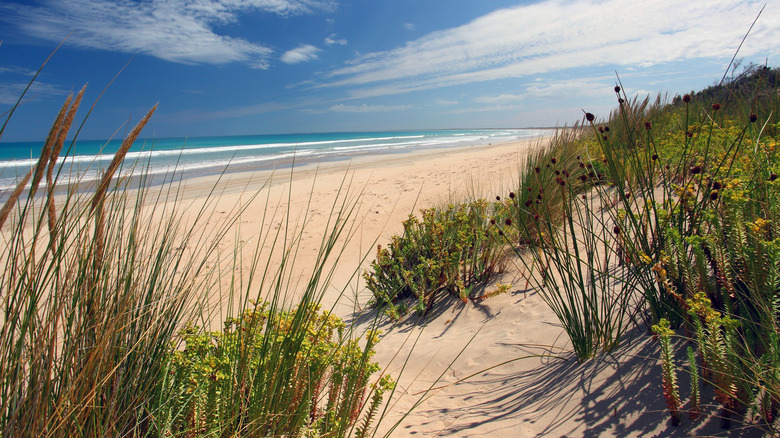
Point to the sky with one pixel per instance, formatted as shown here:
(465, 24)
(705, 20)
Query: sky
(243, 67)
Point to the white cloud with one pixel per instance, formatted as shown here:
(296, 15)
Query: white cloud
(368, 108)
(16, 70)
(174, 30)
(409, 26)
(501, 98)
(10, 92)
(443, 102)
(333, 40)
(300, 54)
(555, 35)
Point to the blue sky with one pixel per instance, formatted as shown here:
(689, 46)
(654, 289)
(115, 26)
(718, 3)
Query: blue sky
(224, 67)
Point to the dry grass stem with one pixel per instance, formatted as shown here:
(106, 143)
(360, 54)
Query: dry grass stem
(100, 193)
(9, 204)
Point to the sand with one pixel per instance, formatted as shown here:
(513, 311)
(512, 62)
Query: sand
(499, 368)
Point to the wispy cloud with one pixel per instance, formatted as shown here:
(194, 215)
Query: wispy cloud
(300, 54)
(10, 92)
(16, 70)
(544, 89)
(554, 35)
(368, 108)
(174, 30)
(333, 39)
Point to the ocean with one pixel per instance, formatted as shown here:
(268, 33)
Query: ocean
(213, 155)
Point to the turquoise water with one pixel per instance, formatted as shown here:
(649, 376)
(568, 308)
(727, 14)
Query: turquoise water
(211, 155)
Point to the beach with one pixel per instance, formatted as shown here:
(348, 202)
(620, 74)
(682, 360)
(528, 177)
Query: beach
(499, 367)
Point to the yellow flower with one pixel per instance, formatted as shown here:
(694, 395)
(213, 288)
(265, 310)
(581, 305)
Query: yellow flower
(660, 271)
(760, 226)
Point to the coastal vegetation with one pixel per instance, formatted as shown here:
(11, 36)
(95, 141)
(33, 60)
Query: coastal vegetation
(663, 214)
(452, 249)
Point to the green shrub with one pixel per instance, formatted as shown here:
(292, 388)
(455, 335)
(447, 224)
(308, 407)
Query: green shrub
(263, 375)
(452, 249)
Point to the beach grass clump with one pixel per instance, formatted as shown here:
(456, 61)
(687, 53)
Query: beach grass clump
(91, 298)
(573, 271)
(451, 249)
(99, 294)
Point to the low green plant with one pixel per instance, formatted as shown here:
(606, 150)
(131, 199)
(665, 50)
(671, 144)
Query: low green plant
(670, 389)
(449, 249)
(248, 379)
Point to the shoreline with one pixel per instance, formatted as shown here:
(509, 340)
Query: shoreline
(304, 165)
